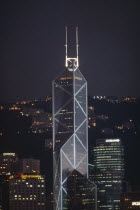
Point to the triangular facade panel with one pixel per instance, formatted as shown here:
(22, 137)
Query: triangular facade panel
(62, 134)
(79, 150)
(65, 80)
(68, 149)
(79, 115)
(79, 80)
(80, 97)
(66, 116)
(82, 167)
(66, 166)
(61, 97)
(82, 133)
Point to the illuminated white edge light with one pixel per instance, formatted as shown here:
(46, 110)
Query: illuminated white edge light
(136, 203)
(9, 154)
(112, 140)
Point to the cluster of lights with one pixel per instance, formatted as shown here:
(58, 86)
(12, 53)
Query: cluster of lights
(27, 176)
(14, 108)
(9, 154)
(112, 140)
(136, 203)
(1, 107)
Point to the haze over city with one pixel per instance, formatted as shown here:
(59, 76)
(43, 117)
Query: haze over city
(69, 105)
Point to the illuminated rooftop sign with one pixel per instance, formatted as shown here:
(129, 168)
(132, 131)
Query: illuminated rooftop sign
(13, 154)
(137, 203)
(30, 176)
(112, 140)
(26, 176)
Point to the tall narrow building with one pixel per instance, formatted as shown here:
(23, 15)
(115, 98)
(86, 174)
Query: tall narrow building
(108, 160)
(72, 189)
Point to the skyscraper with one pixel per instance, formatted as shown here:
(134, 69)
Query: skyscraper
(109, 172)
(72, 189)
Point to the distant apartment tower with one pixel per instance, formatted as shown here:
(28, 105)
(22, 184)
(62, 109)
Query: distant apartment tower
(8, 163)
(109, 172)
(27, 192)
(29, 166)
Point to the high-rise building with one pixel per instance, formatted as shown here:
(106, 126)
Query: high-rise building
(27, 192)
(8, 166)
(47, 160)
(8, 163)
(108, 160)
(29, 166)
(72, 189)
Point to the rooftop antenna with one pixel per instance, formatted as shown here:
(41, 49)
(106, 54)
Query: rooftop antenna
(77, 46)
(67, 59)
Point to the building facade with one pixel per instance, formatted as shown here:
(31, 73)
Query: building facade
(27, 192)
(29, 166)
(8, 163)
(109, 172)
(72, 189)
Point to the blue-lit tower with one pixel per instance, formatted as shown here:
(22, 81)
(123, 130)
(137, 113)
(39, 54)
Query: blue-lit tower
(72, 189)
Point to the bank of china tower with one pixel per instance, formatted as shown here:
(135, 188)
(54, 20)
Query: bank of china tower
(72, 188)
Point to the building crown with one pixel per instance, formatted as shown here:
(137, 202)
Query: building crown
(71, 62)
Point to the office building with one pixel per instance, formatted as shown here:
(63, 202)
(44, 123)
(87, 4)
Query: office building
(109, 172)
(29, 166)
(72, 189)
(27, 192)
(8, 166)
(8, 163)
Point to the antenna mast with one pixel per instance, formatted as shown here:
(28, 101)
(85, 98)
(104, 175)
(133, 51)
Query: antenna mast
(70, 60)
(77, 46)
(66, 61)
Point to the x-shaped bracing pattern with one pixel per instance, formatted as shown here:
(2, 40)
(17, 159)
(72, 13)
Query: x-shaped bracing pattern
(72, 116)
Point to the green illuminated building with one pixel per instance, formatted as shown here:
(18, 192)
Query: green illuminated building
(109, 172)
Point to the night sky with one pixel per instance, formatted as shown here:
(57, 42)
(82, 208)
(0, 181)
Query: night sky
(32, 40)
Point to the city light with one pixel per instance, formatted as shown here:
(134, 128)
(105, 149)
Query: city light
(112, 140)
(136, 203)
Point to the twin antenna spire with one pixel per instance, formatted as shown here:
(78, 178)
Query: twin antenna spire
(76, 59)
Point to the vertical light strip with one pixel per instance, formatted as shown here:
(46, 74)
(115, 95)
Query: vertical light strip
(87, 127)
(74, 115)
(66, 61)
(61, 178)
(53, 114)
(77, 46)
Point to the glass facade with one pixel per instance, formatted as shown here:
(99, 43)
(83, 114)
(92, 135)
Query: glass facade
(70, 145)
(109, 172)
